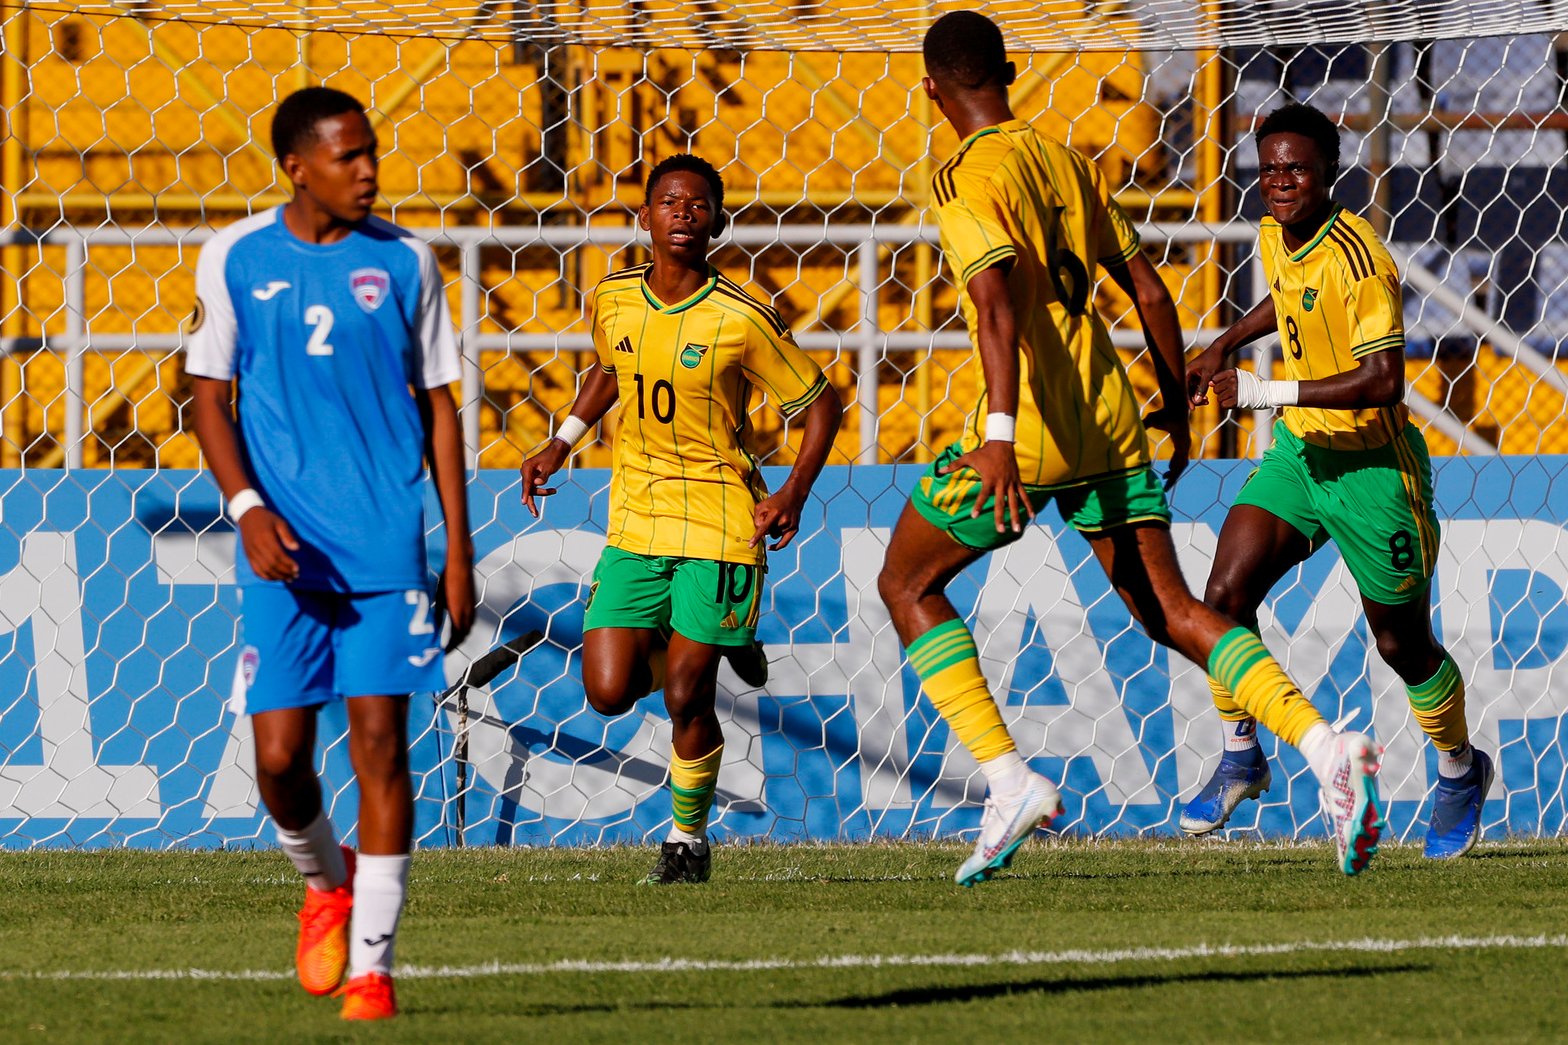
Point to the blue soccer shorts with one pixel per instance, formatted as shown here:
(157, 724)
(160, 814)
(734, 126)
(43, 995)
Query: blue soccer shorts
(306, 648)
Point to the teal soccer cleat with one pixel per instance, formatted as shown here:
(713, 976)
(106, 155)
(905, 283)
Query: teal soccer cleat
(1007, 822)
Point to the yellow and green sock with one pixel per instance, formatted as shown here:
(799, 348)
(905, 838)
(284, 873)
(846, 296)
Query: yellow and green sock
(1245, 672)
(948, 664)
(1439, 707)
(692, 782)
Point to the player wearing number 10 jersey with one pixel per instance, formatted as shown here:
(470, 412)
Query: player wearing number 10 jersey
(1024, 221)
(321, 350)
(1346, 465)
(679, 585)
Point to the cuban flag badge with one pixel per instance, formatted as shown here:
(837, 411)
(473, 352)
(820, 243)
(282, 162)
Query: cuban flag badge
(369, 287)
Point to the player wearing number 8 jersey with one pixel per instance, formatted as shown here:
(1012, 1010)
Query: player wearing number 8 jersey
(1024, 219)
(1346, 465)
(679, 585)
(333, 328)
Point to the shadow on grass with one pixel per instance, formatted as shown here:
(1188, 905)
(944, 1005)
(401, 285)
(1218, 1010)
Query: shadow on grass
(946, 995)
(1069, 985)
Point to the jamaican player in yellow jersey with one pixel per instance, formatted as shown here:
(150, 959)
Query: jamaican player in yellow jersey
(1024, 221)
(1346, 465)
(679, 585)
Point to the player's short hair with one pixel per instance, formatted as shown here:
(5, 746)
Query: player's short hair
(965, 48)
(685, 161)
(1307, 121)
(294, 124)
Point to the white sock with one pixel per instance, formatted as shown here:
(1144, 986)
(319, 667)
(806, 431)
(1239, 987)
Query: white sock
(1319, 746)
(1240, 735)
(697, 842)
(1006, 774)
(380, 886)
(315, 854)
(1455, 763)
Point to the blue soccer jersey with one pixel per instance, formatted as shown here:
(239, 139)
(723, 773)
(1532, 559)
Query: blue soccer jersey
(326, 342)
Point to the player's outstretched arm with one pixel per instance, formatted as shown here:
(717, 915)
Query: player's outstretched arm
(1138, 278)
(1256, 323)
(995, 461)
(1378, 381)
(778, 516)
(444, 450)
(599, 392)
(265, 536)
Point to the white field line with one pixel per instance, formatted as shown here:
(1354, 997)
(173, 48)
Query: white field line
(848, 961)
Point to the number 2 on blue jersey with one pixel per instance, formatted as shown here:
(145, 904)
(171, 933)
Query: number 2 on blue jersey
(319, 318)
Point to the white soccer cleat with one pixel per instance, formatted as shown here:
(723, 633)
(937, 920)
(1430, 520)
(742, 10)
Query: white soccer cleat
(1351, 803)
(1008, 820)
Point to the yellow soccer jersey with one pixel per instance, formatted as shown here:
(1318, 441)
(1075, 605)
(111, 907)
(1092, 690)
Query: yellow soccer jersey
(1013, 196)
(1336, 300)
(684, 482)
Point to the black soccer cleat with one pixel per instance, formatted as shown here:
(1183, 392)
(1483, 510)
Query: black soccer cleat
(680, 862)
(750, 663)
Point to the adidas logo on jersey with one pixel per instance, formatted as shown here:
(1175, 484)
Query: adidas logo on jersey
(624, 345)
(730, 620)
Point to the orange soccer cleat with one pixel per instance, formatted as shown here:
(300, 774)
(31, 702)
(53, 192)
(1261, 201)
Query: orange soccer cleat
(322, 954)
(369, 997)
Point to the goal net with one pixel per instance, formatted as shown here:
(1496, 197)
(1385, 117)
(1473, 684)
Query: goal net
(516, 138)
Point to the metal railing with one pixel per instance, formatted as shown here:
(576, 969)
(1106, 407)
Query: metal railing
(869, 342)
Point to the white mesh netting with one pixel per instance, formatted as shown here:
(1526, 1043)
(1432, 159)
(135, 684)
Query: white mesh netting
(517, 137)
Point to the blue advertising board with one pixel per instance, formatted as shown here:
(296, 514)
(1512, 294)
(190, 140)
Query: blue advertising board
(119, 636)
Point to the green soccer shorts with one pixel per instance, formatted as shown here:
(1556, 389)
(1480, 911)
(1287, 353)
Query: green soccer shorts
(717, 603)
(948, 501)
(1375, 505)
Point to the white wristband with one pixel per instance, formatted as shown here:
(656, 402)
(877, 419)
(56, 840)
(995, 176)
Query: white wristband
(571, 430)
(999, 428)
(243, 502)
(1254, 393)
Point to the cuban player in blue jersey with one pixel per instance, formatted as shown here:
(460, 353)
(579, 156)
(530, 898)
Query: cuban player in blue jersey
(321, 349)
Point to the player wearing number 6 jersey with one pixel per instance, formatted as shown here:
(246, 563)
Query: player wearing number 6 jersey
(1025, 220)
(1346, 465)
(679, 585)
(333, 327)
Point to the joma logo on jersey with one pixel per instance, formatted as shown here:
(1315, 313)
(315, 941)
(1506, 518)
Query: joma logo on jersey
(1309, 297)
(692, 355)
(369, 287)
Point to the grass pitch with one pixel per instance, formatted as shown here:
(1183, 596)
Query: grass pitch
(1126, 941)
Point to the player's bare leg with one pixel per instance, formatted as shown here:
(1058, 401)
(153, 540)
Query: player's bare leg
(621, 666)
(286, 778)
(378, 749)
(1140, 561)
(690, 691)
(285, 765)
(1436, 691)
(1256, 549)
(921, 562)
